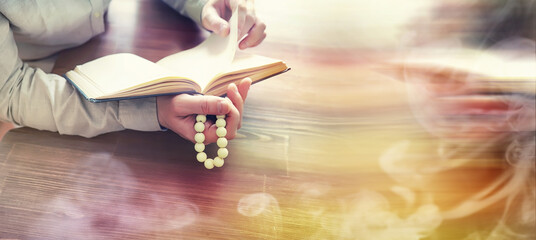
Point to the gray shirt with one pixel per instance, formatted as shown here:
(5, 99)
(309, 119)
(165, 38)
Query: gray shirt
(30, 97)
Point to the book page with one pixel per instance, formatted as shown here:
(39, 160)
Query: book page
(120, 71)
(250, 61)
(245, 65)
(209, 58)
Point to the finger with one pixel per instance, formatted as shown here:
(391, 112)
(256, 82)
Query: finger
(255, 36)
(249, 21)
(232, 4)
(210, 132)
(251, 18)
(233, 120)
(213, 22)
(183, 127)
(185, 104)
(243, 88)
(242, 13)
(235, 97)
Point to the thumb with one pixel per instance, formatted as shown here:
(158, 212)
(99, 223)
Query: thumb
(213, 22)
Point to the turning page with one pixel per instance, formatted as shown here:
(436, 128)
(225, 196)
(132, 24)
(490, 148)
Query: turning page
(206, 60)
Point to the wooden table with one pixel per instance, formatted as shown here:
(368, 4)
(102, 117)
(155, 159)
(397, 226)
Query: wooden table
(329, 150)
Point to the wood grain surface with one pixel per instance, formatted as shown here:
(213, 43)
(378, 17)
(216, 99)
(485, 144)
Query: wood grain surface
(329, 150)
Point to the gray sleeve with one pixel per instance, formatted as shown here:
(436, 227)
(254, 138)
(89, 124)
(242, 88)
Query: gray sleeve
(189, 8)
(33, 98)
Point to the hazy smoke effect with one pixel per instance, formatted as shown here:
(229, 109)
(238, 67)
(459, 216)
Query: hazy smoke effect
(254, 204)
(108, 204)
(463, 118)
(264, 214)
(366, 215)
(370, 217)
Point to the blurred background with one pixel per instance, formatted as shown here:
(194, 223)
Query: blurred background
(436, 150)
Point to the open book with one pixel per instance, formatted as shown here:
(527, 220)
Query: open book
(206, 69)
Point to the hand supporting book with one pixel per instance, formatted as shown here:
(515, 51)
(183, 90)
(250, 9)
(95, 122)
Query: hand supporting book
(181, 118)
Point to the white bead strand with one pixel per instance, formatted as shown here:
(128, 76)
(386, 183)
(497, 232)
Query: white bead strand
(200, 139)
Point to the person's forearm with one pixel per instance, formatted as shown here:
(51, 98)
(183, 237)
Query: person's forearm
(31, 97)
(189, 8)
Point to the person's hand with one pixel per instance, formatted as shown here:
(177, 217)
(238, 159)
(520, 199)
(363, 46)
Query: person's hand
(178, 112)
(215, 13)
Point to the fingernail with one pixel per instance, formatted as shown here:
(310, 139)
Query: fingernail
(243, 45)
(223, 26)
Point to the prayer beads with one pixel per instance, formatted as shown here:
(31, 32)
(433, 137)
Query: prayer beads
(200, 139)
